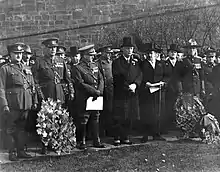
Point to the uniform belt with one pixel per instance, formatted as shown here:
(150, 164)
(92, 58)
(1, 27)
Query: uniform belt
(44, 84)
(9, 90)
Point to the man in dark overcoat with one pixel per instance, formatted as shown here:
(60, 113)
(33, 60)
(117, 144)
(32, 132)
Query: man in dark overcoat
(127, 78)
(17, 97)
(171, 92)
(89, 82)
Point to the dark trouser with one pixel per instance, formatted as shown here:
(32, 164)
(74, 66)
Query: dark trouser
(121, 128)
(15, 128)
(83, 121)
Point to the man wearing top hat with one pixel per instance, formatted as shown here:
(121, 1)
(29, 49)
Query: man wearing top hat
(105, 65)
(89, 83)
(151, 102)
(16, 99)
(50, 71)
(127, 77)
(171, 88)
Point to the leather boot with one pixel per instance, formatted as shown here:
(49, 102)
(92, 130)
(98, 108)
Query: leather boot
(96, 139)
(82, 137)
(22, 154)
(12, 155)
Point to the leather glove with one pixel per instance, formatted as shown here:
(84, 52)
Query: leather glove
(34, 106)
(71, 96)
(6, 110)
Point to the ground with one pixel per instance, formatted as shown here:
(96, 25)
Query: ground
(167, 156)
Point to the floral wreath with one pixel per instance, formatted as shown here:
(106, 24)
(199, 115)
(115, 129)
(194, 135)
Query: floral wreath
(55, 127)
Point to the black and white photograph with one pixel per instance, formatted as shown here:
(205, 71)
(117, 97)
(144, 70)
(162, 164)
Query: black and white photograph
(109, 85)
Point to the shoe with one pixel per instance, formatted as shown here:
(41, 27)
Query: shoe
(159, 138)
(22, 154)
(44, 151)
(98, 145)
(144, 139)
(126, 142)
(117, 143)
(82, 146)
(12, 156)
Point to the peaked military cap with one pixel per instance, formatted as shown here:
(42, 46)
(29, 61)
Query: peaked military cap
(89, 50)
(15, 48)
(191, 44)
(51, 42)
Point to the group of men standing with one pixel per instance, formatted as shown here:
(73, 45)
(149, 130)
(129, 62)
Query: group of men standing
(136, 84)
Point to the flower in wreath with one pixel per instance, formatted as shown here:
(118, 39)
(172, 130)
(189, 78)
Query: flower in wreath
(55, 127)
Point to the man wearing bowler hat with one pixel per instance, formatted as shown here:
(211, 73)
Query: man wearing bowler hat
(89, 82)
(16, 100)
(127, 77)
(171, 88)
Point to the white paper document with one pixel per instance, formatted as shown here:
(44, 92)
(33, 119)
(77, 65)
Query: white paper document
(94, 104)
(154, 89)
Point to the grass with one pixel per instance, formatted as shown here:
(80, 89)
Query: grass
(153, 156)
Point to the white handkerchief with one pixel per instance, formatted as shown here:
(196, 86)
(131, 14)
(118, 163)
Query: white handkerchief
(154, 89)
(94, 105)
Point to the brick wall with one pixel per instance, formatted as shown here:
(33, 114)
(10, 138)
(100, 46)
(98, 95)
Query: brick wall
(19, 17)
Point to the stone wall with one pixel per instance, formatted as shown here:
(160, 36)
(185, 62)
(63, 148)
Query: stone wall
(20, 17)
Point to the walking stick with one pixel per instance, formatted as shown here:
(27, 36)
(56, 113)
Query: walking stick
(159, 109)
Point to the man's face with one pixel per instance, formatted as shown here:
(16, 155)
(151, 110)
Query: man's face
(76, 58)
(62, 56)
(128, 50)
(26, 57)
(153, 55)
(172, 54)
(15, 56)
(51, 51)
(211, 57)
(193, 52)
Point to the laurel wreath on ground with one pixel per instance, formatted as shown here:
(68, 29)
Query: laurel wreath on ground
(55, 127)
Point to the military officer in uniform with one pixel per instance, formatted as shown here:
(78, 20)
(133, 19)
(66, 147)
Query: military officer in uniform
(89, 82)
(50, 71)
(16, 99)
(105, 65)
(191, 88)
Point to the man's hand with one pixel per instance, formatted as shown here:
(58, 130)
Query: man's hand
(6, 110)
(34, 106)
(71, 96)
(132, 87)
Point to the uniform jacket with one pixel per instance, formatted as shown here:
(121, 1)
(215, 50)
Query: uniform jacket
(50, 77)
(17, 88)
(88, 81)
(189, 74)
(126, 103)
